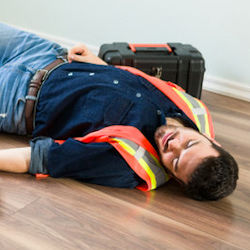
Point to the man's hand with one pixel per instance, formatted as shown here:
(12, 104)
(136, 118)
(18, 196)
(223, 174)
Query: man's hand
(80, 53)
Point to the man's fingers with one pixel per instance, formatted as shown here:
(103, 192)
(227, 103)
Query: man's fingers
(79, 49)
(80, 53)
(77, 58)
(76, 51)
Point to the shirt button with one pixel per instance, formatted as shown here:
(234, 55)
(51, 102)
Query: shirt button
(115, 81)
(91, 74)
(70, 74)
(158, 112)
(138, 95)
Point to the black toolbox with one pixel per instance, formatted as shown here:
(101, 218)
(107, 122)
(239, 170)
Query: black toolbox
(176, 62)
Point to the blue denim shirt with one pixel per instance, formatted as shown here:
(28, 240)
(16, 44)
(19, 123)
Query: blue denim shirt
(80, 98)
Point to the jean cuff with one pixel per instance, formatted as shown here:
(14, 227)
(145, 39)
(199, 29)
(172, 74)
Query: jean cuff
(39, 155)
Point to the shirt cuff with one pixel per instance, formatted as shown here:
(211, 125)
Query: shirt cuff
(39, 155)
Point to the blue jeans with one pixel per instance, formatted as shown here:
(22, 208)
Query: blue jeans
(21, 55)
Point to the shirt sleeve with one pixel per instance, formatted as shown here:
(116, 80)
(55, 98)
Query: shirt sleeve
(39, 155)
(97, 163)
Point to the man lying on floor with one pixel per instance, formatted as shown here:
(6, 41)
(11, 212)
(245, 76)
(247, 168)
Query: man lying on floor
(113, 126)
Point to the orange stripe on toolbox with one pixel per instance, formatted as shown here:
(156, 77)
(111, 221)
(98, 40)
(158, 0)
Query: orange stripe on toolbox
(133, 46)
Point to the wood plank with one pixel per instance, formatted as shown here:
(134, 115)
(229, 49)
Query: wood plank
(95, 219)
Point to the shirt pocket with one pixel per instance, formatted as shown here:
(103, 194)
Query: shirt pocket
(117, 110)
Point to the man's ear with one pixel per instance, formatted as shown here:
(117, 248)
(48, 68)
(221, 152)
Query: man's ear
(212, 139)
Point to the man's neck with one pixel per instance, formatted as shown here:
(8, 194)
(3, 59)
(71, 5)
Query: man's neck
(174, 122)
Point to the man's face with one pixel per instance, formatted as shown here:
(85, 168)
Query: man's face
(182, 149)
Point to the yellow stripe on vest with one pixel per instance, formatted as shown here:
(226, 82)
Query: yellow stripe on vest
(190, 106)
(149, 172)
(141, 162)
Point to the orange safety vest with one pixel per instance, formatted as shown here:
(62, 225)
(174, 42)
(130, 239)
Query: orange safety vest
(133, 145)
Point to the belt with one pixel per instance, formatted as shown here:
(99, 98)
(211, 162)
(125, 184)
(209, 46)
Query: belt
(34, 86)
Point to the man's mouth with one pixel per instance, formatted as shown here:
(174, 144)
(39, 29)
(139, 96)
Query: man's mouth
(166, 138)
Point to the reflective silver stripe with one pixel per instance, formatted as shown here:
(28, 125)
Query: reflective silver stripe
(197, 110)
(202, 123)
(140, 153)
(133, 145)
(191, 100)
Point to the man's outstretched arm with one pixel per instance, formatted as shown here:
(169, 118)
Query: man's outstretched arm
(15, 160)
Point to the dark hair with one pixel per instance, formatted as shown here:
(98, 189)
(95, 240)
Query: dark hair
(214, 178)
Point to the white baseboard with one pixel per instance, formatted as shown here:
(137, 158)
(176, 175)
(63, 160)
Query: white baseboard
(226, 87)
(211, 83)
(66, 43)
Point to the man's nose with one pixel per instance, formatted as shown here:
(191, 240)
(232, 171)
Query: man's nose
(175, 146)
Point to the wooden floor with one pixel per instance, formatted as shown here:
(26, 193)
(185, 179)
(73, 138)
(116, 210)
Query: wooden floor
(65, 214)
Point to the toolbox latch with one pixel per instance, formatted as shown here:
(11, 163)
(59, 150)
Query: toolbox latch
(157, 71)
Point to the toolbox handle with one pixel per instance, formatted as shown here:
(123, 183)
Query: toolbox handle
(144, 45)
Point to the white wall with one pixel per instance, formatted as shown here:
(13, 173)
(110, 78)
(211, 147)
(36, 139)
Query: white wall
(218, 28)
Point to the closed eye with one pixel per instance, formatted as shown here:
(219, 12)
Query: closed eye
(189, 145)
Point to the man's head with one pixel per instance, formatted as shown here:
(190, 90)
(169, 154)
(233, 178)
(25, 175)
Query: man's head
(206, 170)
